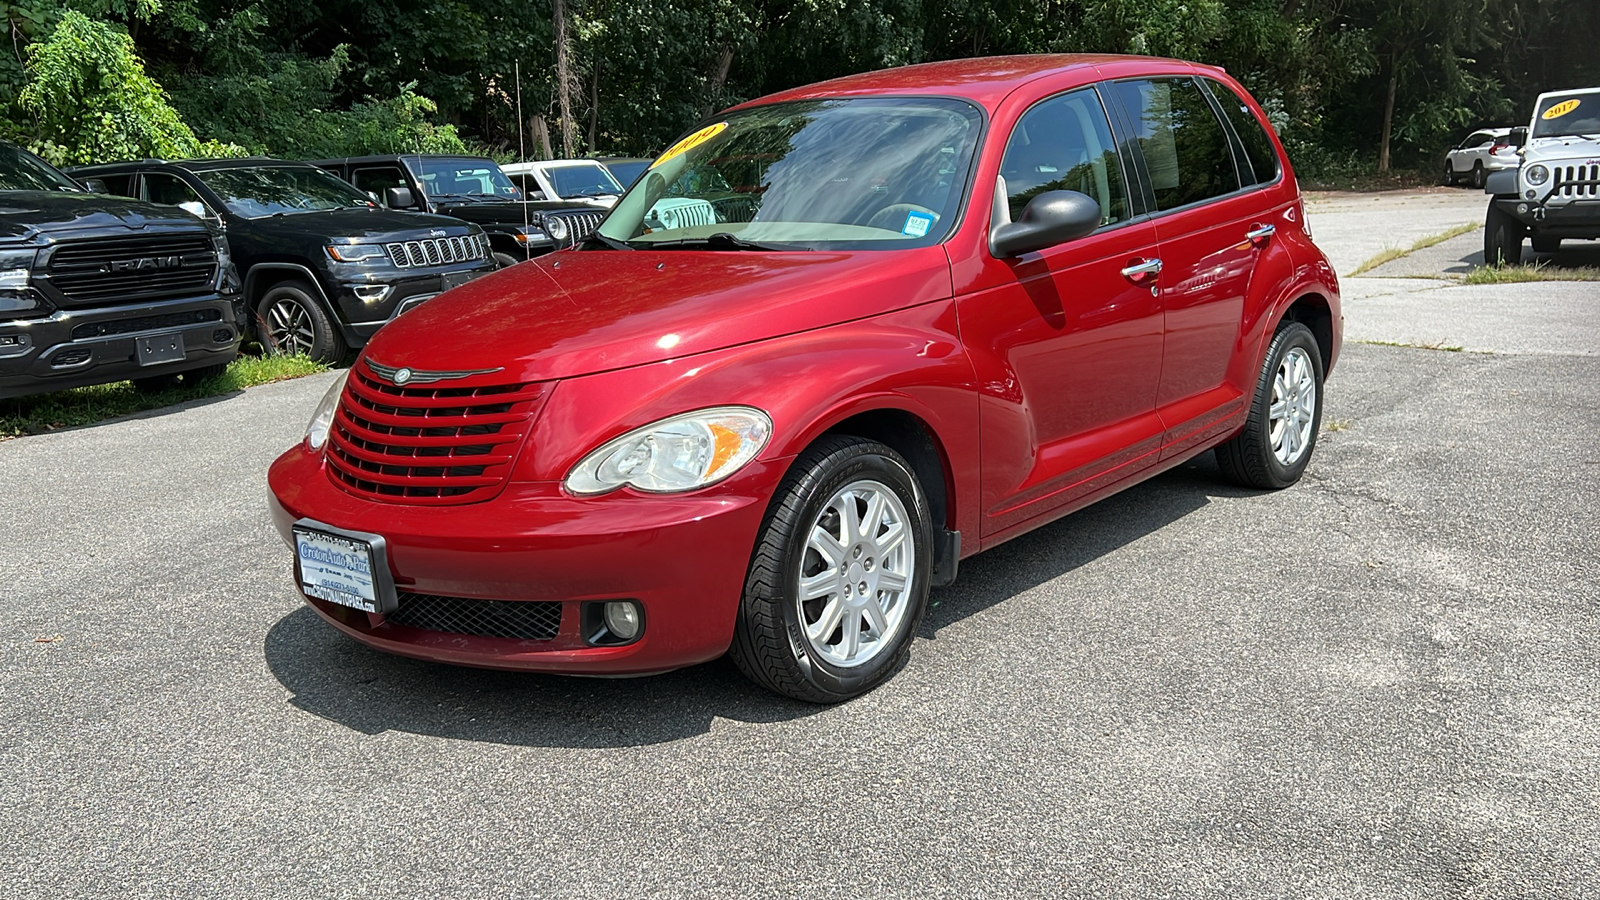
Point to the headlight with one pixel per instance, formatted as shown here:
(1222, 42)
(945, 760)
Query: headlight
(16, 267)
(1537, 175)
(677, 454)
(355, 252)
(556, 228)
(322, 419)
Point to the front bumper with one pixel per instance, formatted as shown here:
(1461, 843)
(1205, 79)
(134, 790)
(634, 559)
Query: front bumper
(405, 293)
(683, 558)
(80, 347)
(1563, 218)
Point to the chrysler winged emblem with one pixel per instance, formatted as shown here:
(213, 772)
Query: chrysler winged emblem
(404, 375)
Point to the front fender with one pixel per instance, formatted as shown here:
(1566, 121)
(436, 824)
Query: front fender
(909, 360)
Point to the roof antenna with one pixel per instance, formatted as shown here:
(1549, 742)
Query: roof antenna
(522, 156)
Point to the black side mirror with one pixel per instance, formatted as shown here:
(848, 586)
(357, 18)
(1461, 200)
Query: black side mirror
(1053, 217)
(94, 186)
(399, 198)
(1519, 136)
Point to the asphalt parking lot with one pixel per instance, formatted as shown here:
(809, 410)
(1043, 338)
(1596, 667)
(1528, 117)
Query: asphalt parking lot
(1379, 683)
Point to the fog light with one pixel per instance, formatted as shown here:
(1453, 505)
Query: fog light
(622, 619)
(1522, 208)
(1530, 194)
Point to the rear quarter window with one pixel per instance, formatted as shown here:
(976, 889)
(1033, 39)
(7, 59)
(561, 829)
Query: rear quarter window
(1258, 149)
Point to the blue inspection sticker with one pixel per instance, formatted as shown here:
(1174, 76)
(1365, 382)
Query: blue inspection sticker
(917, 224)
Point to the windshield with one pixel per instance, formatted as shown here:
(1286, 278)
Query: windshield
(582, 181)
(462, 177)
(22, 171)
(1563, 114)
(628, 172)
(256, 191)
(867, 173)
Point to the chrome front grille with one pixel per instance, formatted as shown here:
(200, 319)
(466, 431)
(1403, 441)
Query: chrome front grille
(580, 224)
(1576, 181)
(429, 444)
(438, 251)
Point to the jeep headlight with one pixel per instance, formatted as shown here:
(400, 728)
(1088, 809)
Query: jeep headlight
(1537, 175)
(682, 453)
(556, 228)
(353, 253)
(322, 419)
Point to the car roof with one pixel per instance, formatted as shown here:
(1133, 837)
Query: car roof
(193, 165)
(984, 80)
(391, 157)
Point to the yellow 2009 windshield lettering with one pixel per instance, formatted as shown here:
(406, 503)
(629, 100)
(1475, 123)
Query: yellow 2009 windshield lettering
(690, 142)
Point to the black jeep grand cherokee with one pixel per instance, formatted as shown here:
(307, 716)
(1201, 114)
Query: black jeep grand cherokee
(324, 267)
(99, 289)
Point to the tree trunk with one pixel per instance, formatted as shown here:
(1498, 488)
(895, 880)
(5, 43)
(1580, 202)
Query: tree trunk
(563, 78)
(541, 130)
(1388, 112)
(594, 104)
(719, 79)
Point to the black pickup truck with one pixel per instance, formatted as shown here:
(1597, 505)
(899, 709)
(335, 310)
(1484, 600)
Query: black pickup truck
(324, 267)
(472, 188)
(98, 289)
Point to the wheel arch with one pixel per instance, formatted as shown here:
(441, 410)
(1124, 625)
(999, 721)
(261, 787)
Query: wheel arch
(1314, 310)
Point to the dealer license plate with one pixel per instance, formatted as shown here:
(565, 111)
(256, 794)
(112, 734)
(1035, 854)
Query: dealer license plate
(338, 569)
(161, 348)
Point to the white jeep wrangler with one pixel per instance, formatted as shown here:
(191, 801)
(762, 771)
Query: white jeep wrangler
(1555, 192)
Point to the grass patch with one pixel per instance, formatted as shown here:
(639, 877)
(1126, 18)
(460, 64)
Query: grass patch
(1390, 254)
(1536, 272)
(1448, 348)
(86, 405)
(1336, 425)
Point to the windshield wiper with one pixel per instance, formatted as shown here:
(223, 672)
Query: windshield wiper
(613, 243)
(720, 240)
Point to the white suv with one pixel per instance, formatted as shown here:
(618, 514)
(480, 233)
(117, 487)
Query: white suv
(576, 180)
(1485, 150)
(1555, 193)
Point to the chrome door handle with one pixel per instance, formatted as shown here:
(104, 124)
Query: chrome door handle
(1261, 233)
(1138, 271)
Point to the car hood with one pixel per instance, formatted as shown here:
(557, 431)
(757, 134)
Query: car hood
(1563, 148)
(46, 215)
(579, 312)
(363, 225)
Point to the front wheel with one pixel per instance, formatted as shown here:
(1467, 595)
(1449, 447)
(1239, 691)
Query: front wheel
(1449, 173)
(1273, 449)
(839, 579)
(505, 260)
(1502, 238)
(1477, 175)
(291, 321)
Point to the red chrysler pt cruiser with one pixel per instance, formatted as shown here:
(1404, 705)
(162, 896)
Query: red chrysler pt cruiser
(831, 342)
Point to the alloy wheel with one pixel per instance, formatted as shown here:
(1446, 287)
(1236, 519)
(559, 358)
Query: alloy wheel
(290, 328)
(855, 577)
(1294, 406)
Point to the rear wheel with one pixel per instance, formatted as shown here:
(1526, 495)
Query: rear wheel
(839, 579)
(1273, 449)
(291, 321)
(1502, 238)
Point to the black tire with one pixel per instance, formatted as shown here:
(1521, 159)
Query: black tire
(1502, 238)
(290, 320)
(505, 260)
(1477, 175)
(1543, 244)
(770, 644)
(1249, 458)
(1449, 173)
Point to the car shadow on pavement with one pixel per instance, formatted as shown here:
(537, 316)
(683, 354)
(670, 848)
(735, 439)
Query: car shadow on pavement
(337, 679)
(1046, 553)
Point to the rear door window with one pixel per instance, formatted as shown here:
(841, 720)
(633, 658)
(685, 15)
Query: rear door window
(1185, 150)
(1065, 144)
(1261, 158)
